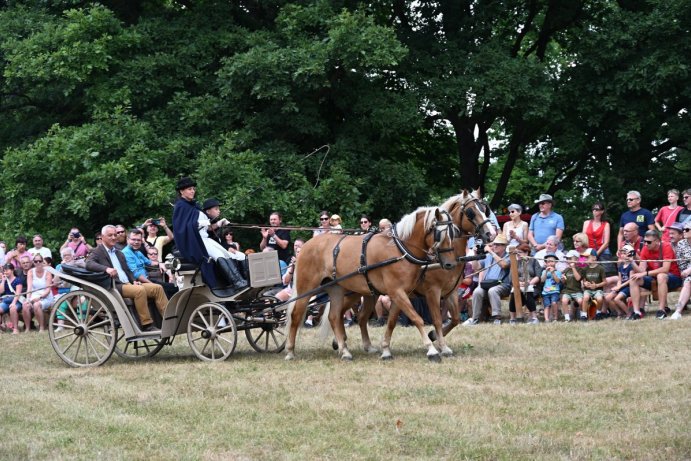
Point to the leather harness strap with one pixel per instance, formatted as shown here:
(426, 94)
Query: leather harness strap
(363, 269)
(336, 250)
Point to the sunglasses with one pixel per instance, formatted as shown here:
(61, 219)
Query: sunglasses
(512, 211)
(631, 199)
(324, 218)
(687, 229)
(99, 238)
(597, 209)
(120, 232)
(648, 242)
(686, 196)
(153, 254)
(364, 222)
(36, 261)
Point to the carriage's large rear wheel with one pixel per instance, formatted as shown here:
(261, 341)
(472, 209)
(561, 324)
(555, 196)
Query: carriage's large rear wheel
(82, 329)
(270, 335)
(212, 332)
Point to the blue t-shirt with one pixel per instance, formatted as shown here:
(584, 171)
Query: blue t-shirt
(643, 218)
(625, 272)
(544, 226)
(551, 285)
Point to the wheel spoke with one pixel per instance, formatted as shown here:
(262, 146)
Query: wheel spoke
(91, 345)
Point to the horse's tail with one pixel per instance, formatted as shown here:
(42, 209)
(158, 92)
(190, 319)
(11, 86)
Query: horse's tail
(325, 330)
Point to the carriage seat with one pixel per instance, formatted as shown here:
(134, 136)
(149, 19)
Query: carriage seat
(101, 279)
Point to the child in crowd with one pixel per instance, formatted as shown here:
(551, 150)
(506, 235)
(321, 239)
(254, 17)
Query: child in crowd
(572, 285)
(551, 278)
(616, 299)
(593, 281)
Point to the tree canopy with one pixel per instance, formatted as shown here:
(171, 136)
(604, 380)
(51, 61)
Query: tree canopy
(346, 106)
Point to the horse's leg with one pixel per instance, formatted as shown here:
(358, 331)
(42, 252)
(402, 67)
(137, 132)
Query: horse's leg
(433, 297)
(452, 305)
(296, 313)
(390, 325)
(365, 313)
(336, 320)
(400, 298)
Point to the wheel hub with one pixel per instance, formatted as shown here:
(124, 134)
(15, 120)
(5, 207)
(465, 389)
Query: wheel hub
(208, 334)
(80, 330)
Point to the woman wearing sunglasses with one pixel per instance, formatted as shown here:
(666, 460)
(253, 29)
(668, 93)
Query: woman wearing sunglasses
(324, 217)
(38, 287)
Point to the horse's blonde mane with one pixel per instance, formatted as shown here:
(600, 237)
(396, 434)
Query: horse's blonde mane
(405, 227)
(457, 200)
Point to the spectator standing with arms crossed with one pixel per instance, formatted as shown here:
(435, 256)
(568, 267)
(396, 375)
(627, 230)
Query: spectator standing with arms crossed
(544, 224)
(642, 217)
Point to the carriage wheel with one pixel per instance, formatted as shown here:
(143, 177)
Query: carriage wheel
(135, 350)
(212, 332)
(269, 336)
(82, 329)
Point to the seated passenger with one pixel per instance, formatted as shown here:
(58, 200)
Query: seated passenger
(190, 227)
(137, 262)
(107, 258)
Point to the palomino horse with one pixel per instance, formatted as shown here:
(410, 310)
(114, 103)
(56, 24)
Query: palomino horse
(470, 215)
(371, 263)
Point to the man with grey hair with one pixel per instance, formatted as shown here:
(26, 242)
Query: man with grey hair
(107, 258)
(643, 218)
(544, 223)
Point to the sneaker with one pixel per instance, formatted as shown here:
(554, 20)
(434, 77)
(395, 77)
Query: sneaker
(533, 321)
(308, 323)
(634, 316)
(584, 318)
(497, 321)
(59, 329)
(348, 323)
(661, 314)
(469, 322)
(513, 322)
(676, 316)
(599, 316)
(380, 322)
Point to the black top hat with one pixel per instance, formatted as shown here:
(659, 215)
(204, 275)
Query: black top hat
(184, 183)
(210, 203)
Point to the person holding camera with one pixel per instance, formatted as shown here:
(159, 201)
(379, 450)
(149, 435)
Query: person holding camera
(152, 239)
(19, 252)
(78, 243)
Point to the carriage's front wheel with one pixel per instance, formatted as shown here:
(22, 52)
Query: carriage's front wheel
(270, 335)
(82, 329)
(212, 332)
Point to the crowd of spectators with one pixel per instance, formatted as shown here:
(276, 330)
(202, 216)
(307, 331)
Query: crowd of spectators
(653, 256)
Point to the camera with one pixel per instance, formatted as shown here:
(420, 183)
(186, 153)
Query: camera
(75, 235)
(156, 221)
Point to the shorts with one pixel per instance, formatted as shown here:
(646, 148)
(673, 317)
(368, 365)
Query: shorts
(594, 293)
(549, 299)
(5, 304)
(624, 291)
(673, 282)
(572, 296)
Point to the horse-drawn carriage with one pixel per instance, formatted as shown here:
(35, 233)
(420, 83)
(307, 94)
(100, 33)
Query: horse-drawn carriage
(93, 320)
(89, 324)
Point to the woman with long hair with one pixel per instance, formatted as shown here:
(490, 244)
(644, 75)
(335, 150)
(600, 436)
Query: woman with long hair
(598, 231)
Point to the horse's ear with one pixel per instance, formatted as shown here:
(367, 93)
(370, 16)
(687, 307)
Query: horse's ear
(476, 193)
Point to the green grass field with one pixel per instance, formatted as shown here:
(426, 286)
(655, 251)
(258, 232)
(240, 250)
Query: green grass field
(605, 390)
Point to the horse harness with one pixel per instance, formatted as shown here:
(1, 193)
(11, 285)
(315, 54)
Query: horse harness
(364, 268)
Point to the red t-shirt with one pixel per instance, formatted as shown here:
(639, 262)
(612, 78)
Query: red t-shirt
(667, 253)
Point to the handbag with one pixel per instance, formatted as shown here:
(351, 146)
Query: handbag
(487, 284)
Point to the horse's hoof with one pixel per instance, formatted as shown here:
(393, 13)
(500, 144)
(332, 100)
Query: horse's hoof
(447, 353)
(334, 344)
(387, 357)
(289, 357)
(371, 350)
(436, 358)
(432, 335)
(347, 358)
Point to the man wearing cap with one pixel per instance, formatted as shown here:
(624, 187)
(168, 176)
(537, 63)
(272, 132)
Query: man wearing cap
(496, 274)
(212, 208)
(642, 217)
(544, 223)
(656, 262)
(680, 238)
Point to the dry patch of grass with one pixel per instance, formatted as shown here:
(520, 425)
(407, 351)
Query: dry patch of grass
(606, 390)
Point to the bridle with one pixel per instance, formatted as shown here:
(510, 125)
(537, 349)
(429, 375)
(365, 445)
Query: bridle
(439, 228)
(470, 214)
